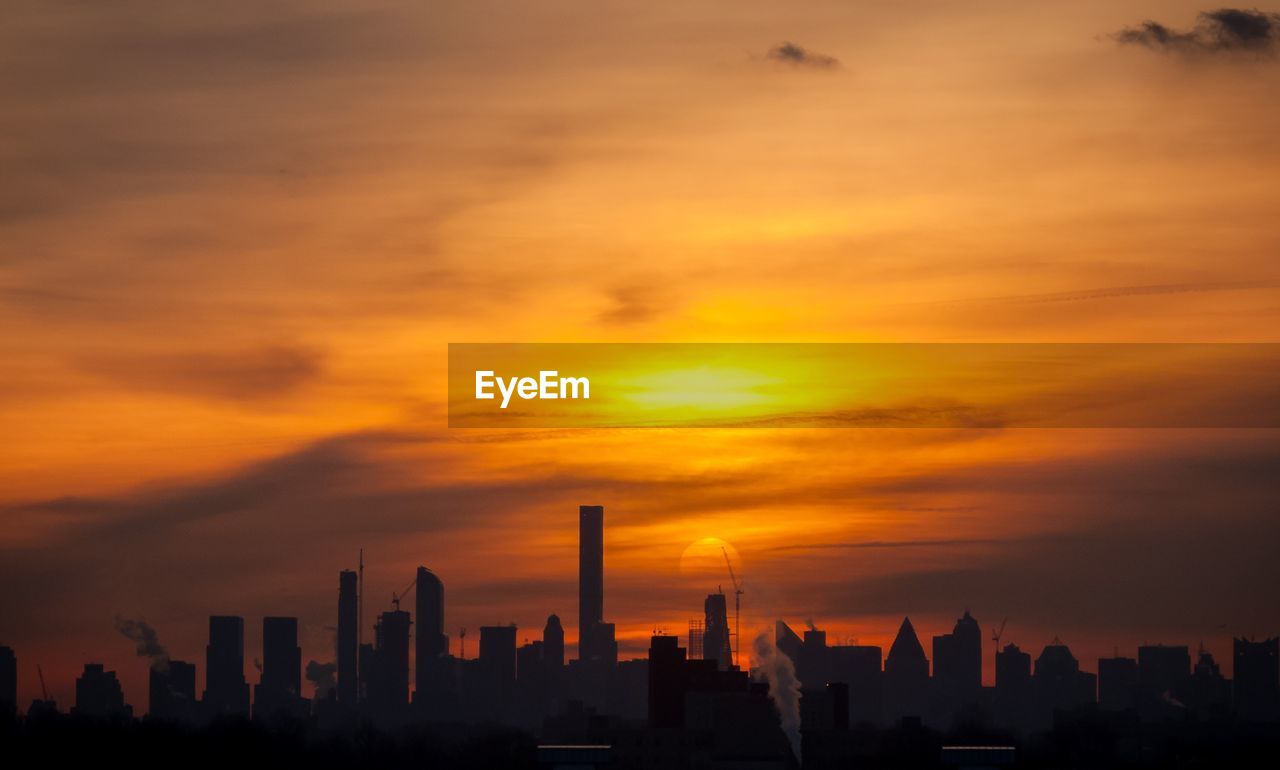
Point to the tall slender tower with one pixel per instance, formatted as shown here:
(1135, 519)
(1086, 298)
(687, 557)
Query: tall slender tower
(226, 691)
(431, 644)
(348, 638)
(590, 580)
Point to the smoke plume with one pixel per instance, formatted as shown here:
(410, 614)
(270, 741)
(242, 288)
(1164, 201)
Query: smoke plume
(323, 676)
(146, 641)
(784, 688)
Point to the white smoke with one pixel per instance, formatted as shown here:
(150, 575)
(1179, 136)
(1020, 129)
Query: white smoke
(784, 688)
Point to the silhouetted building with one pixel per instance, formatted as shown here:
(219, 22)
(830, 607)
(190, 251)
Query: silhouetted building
(433, 669)
(595, 637)
(279, 690)
(431, 641)
(388, 681)
(858, 667)
(906, 676)
(497, 668)
(789, 644)
(348, 638)
(8, 682)
(957, 669)
(811, 665)
(225, 688)
(172, 692)
(553, 642)
(666, 682)
(826, 708)
(1257, 679)
(694, 694)
(1164, 672)
(1059, 684)
(1117, 683)
(1014, 693)
(98, 694)
(1209, 692)
(715, 635)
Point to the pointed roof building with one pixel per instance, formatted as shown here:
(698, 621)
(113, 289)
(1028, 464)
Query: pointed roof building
(906, 646)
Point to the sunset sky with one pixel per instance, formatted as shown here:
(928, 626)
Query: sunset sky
(235, 242)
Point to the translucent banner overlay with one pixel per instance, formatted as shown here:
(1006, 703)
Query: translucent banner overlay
(864, 385)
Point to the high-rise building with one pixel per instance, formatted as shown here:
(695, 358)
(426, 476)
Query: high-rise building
(1059, 684)
(666, 682)
(497, 666)
(431, 644)
(279, 689)
(431, 641)
(857, 666)
(591, 582)
(98, 693)
(388, 683)
(1117, 683)
(1257, 679)
(553, 643)
(8, 682)
(348, 638)
(957, 667)
(225, 688)
(1013, 696)
(1209, 692)
(1164, 674)
(715, 631)
(172, 692)
(906, 676)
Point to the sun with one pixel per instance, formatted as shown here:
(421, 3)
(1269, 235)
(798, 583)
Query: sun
(703, 560)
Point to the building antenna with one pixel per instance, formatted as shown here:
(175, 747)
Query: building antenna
(737, 610)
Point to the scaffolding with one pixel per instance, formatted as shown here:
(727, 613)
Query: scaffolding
(696, 632)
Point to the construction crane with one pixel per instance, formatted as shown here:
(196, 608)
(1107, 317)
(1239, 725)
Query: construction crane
(395, 598)
(999, 633)
(43, 689)
(462, 640)
(737, 609)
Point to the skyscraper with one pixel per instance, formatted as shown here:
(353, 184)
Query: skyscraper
(1257, 678)
(553, 643)
(348, 637)
(666, 682)
(280, 686)
(1013, 695)
(225, 688)
(8, 682)
(388, 687)
(1164, 673)
(431, 644)
(590, 581)
(1117, 683)
(957, 666)
(98, 693)
(497, 664)
(172, 691)
(715, 634)
(906, 676)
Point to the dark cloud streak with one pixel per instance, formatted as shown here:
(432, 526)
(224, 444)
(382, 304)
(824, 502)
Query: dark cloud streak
(1225, 30)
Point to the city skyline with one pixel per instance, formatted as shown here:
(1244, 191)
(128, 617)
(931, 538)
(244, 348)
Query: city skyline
(237, 244)
(915, 678)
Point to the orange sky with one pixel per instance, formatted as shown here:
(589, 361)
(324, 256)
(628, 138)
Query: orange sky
(235, 243)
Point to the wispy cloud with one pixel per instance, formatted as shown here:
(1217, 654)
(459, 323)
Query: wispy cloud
(1225, 30)
(798, 56)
